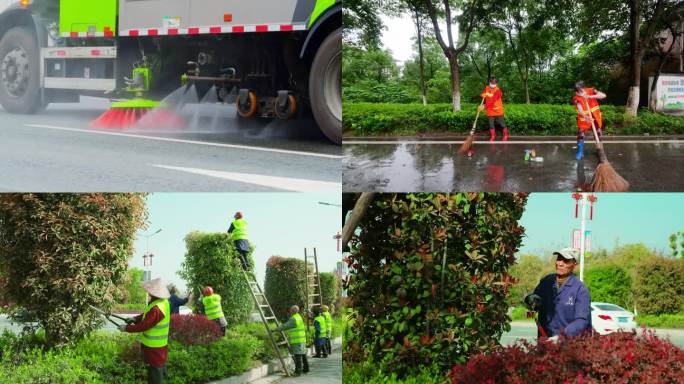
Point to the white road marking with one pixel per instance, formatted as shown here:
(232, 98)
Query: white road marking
(526, 142)
(284, 183)
(182, 141)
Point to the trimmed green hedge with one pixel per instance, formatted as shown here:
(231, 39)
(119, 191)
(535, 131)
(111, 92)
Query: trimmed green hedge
(329, 290)
(675, 320)
(284, 285)
(104, 356)
(364, 119)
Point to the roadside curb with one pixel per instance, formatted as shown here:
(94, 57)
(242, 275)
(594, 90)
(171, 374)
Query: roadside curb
(512, 138)
(265, 370)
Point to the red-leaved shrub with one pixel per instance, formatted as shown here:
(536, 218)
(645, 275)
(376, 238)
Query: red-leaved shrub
(193, 329)
(614, 358)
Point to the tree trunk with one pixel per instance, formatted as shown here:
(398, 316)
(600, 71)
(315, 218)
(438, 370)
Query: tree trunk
(527, 89)
(455, 83)
(423, 88)
(357, 214)
(633, 97)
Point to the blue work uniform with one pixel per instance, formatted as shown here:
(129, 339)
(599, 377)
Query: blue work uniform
(566, 311)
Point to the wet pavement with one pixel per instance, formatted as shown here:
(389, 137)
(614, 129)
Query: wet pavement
(409, 166)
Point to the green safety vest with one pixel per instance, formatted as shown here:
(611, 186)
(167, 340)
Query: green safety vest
(212, 306)
(328, 322)
(157, 336)
(297, 335)
(322, 324)
(239, 230)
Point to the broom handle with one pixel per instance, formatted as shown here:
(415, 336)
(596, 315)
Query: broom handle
(599, 144)
(472, 131)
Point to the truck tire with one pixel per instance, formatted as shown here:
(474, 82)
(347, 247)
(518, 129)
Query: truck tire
(19, 72)
(325, 89)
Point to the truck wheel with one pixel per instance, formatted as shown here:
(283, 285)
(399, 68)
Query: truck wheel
(325, 88)
(19, 72)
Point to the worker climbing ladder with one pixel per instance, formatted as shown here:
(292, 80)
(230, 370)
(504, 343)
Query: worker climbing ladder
(269, 319)
(314, 298)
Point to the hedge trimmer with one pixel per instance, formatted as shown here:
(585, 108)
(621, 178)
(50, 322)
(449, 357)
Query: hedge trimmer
(108, 315)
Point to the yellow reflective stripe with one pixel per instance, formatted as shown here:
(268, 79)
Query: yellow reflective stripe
(595, 108)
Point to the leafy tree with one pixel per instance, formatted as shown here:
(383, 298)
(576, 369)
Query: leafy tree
(60, 253)
(677, 248)
(429, 277)
(212, 259)
(470, 14)
(285, 285)
(660, 286)
(609, 283)
(362, 24)
(133, 292)
(527, 271)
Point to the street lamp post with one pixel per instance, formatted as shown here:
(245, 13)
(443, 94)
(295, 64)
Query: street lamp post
(582, 199)
(147, 257)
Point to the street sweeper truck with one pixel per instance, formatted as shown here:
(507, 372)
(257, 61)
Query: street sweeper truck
(277, 59)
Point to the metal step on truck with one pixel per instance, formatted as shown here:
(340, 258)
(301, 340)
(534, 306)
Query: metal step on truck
(276, 59)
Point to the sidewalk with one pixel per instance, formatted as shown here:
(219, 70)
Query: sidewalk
(322, 371)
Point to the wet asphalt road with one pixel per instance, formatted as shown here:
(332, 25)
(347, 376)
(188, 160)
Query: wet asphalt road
(405, 166)
(57, 151)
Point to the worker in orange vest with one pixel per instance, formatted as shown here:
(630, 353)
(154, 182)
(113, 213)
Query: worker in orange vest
(495, 112)
(586, 103)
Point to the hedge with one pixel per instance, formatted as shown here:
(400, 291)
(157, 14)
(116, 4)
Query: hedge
(211, 259)
(329, 283)
(429, 278)
(285, 284)
(591, 359)
(103, 356)
(523, 119)
(660, 286)
(675, 320)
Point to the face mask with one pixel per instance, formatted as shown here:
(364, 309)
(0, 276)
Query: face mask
(492, 85)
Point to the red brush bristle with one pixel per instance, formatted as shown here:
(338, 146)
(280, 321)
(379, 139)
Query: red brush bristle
(119, 118)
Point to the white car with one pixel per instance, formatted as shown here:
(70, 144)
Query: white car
(607, 318)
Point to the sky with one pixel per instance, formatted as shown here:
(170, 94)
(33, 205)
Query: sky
(278, 224)
(399, 33)
(619, 218)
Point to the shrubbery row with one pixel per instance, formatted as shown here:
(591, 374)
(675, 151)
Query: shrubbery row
(523, 119)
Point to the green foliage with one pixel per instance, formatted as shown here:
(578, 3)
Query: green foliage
(211, 259)
(329, 283)
(429, 277)
(527, 271)
(609, 283)
(534, 119)
(285, 284)
(660, 286)
(520, 314)
(675, 320)
(677, 244)
(134, 294)
(369, 373)
(103, 356)
(61, 252)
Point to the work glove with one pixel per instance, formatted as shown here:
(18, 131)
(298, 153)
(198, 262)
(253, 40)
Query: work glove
(122, 327)
(553, 339)
(533, 302)
(480, 108)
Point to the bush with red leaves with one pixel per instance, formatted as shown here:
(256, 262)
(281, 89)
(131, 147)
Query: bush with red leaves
(614, 358)
(194, 329)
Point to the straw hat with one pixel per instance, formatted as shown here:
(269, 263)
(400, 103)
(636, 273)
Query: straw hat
(156, 288)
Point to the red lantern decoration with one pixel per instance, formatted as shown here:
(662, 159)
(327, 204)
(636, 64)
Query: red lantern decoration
(577, 196)
(592, 199)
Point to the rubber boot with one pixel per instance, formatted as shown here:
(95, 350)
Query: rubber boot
(505, 134)
(580, 150)
(492, 134)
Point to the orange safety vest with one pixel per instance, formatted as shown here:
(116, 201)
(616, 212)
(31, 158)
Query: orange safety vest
(494, 107)
(595, 108)
(582, 123)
